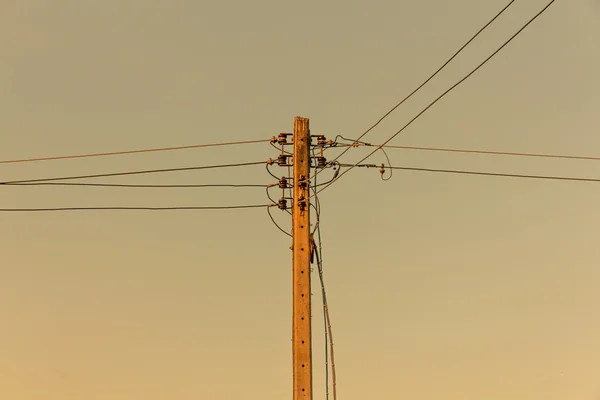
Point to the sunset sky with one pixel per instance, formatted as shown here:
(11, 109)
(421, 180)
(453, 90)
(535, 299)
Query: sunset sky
(440, 286)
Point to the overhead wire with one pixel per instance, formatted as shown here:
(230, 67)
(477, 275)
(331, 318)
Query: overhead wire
(115, 153)
(128, 185)
(326, 317)
(498, 174)
(484, 152)
(134, 208)
(433, 75)
(350, 168)
(327, 321)
(151, 171)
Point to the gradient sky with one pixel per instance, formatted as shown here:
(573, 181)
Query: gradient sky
(440, 286)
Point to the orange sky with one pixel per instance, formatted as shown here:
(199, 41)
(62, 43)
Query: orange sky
(440, 286)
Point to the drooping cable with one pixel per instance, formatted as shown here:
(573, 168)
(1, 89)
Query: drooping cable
(276, 224)
(282, 206)
(271, 215)
(326, 317)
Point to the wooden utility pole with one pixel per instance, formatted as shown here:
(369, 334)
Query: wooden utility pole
(301, 319)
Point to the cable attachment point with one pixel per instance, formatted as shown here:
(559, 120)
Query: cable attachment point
(282, 138)
(282, 160)
(362, 165)
(303, 183)
(283, 183)
(282, 204)
(321, 140)
(302, 203)
(321, 162)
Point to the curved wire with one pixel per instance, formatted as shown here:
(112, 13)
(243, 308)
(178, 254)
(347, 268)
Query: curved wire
(270, 173)
(317, 207)
(280, 149)
(151, 171)
(449, 89)
(336, 173)
(275, 222)
(274, 202)
(115, 153)
(317, 203)
(354, 141)
(390, 167)
(327, 319)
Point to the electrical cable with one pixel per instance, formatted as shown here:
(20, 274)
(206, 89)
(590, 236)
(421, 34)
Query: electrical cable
(273, 201)
(447, 91)
(269, 194)
(276, 224)
(335, 175)
(355, 143)
(465, 172)
(326, 316)
(115, 153)
(132, 208)
(433, 75)
(270, 173)
(283, 151)
(502, 153)
(389, 164)
(317, 203)
(125, 185)
(152, 171)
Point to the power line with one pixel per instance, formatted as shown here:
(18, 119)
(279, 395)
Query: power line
(115, 153)
(326, 317)
(446, 92)
(276, 224)
(433, 75)
(466, 172)
(504, 153)
(152, 171)
(118, 185)
(132, 208)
